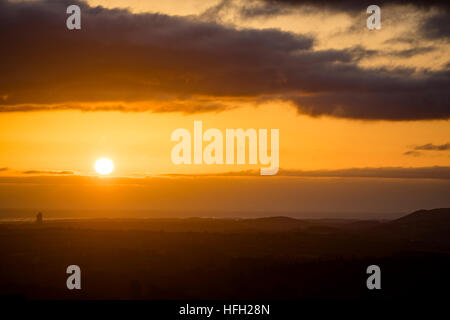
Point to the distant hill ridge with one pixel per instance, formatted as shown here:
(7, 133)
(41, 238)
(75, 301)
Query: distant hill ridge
(422, 225)
(439, 214)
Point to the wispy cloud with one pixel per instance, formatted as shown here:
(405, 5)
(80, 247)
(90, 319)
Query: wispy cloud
(435, 26)
(427, 147)
(435, 147)
(292, 192)
(47, 172)
(435, 172)
(412, 153)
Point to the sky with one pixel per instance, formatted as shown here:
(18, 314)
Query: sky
(363, 114)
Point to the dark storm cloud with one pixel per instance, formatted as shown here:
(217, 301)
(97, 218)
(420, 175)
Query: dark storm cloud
(125, 58)
(369, 105)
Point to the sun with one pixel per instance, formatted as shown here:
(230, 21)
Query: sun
(104, 166)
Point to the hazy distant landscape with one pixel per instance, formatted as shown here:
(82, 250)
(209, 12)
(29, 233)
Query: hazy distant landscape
(10, 215)
(200, 258)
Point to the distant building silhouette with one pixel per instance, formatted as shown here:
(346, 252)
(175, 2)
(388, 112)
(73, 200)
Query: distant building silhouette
(39, 218)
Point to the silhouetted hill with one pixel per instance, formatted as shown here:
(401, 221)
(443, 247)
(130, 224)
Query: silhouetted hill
(423, 225)
(203, 258)
(440, 215)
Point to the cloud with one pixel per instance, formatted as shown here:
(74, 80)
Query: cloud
(3, 169)
(427, 147)
(224, 196)
(47, 172)
(194, 105)
(435, 172)
(412, 153)
(120, 61)
(430, 146)
(408, 53)
(268, 7)
(437, 26)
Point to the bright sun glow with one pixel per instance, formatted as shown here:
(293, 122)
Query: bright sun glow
(104, 166)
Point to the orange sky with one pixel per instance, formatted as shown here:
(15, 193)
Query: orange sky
(139, 143)
(360, 99)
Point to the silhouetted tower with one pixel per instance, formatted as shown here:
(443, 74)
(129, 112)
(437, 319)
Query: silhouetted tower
(39, 218)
